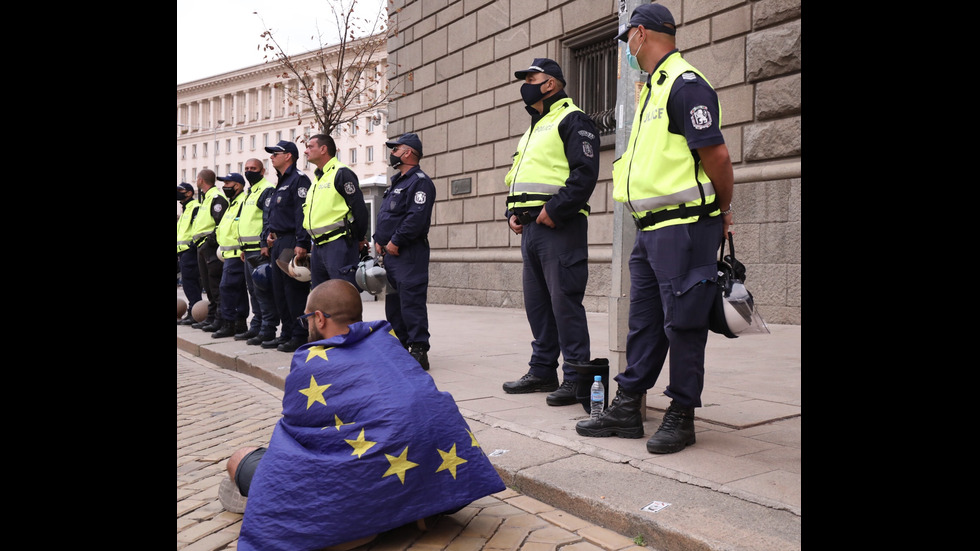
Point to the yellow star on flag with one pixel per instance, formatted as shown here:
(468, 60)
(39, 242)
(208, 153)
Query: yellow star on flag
(314, 351)
(392, 333)
(360, 445)
(450, 461)
(399, 465)
(340, 423)
(314, 393)
(473, 441)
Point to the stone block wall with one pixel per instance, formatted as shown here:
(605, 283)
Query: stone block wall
(462, 99)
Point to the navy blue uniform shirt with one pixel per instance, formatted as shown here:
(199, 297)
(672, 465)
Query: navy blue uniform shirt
(285, 215)
(406, 211)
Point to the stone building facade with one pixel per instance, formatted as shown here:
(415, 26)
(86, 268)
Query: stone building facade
(461, 97)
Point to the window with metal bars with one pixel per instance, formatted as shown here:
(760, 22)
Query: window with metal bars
(594, 88)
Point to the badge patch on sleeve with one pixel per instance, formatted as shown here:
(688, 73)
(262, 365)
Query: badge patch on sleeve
(302, 192)
(218, 207)
(349, 188)
(701, 117)
(419, 197)
(587, 149)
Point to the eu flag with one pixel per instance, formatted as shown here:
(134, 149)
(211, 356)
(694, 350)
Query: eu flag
(366, 443)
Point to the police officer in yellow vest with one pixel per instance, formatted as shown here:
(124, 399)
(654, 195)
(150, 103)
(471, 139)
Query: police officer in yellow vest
(234, 294)
(676, 178)
(334, 214)
(255, 253)
(209, 214)
(190, 276)
(553, 175)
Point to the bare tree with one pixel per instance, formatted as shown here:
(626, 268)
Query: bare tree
(339, 82)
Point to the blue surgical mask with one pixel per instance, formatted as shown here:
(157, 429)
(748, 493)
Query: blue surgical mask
(630, 58)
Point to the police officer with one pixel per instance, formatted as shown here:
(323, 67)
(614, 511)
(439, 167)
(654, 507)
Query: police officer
(233, 310)
(255, 253)
(553, 175)
(334, 215)
(283, 232)
(401, 237)
(209, 214)
(676, 178)
(190, 277)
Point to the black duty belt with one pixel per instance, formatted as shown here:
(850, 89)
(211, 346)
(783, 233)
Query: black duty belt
(683, 211)
(325, 237)
(525, 217)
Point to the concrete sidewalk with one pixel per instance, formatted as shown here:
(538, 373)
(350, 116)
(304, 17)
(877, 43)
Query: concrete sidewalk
(738, 487)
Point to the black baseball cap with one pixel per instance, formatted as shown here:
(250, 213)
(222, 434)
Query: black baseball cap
(410, 139)
(284, 146)
(543, 65)
(655, 17)
(233, 177)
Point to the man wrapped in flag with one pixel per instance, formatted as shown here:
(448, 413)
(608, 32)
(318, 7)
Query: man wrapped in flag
(366, 442)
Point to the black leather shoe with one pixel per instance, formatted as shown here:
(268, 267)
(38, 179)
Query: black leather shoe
(422, 357)
(225, 329)
(531, 383)
(259, 339)
(186, 321)
(676, 431)
(247, 335)
(291, 345)
(273, 342)
(564, 396)
(622, 419)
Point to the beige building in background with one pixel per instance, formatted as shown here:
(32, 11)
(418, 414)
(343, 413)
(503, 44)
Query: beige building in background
(224, 120)
(464, 102)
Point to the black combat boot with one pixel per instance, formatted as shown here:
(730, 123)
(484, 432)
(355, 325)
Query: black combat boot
(676, 431)
(622, 419)
(421, 355)
(226, 328)
(564, 396)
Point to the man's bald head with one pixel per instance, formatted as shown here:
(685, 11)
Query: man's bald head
(339, 298)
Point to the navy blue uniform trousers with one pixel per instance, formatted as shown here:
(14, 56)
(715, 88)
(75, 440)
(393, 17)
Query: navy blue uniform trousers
(556, 270)
(408, 275)
(336, 259)
(290, 294)
(671, 275)
(234, 293)
(190, 277)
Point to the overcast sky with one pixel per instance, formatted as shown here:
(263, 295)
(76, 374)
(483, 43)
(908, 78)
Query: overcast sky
(218, 36)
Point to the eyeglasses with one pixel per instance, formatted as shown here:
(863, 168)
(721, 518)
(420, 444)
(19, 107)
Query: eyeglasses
(278, 153)
(302, 319)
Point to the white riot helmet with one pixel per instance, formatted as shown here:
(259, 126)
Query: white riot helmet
(298, 270)
(734, 312)
(371, 276)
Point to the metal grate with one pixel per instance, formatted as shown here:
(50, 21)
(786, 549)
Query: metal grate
(595, 87)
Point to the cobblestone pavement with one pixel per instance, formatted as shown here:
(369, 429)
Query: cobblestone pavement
(219, 411)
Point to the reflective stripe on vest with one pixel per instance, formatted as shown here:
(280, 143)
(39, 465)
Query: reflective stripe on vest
(227, 230)
(204, 223)
(540, 167)
(250, 220)
(655, 185)
(184, 225)
(325, 211)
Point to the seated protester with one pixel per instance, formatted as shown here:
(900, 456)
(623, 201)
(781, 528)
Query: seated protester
(366, 442)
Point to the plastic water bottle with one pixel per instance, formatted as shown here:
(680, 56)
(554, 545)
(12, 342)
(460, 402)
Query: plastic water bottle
(598, 397)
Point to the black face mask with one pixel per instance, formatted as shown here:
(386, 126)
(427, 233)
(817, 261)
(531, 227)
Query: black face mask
(253, 177)
(394, 161)
(181, 196)
(531, 93)
(229, 191)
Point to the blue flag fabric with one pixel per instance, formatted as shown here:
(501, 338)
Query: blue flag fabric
(366, 443)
